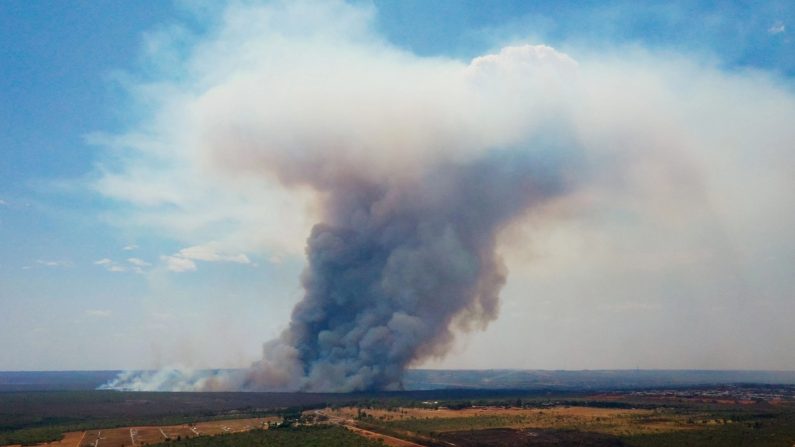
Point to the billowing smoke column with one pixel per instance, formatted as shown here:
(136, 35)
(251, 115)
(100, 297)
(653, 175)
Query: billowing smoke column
(417, 164)
(394, 266)
(399, 261)
(392, 269)
(411, 167)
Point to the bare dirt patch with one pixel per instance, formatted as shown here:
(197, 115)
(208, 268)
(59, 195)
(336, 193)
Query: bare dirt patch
(386, 439)
(71, 439)
(140, 436)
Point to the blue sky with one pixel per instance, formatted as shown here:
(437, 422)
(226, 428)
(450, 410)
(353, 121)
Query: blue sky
(90, 280)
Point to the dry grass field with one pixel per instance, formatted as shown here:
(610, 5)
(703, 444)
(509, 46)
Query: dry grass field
(71, 439)
(387, 440)
(150, 435)
(693, 417)
(597, 420)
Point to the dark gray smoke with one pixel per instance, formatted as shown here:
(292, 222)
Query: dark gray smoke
(394, 267)
(417, 164)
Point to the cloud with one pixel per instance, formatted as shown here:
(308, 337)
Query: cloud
(54, 263)
(98, 313)
(209, 254)
(178, 264)
(136, 265)
(111, 265)
(183, 260)
(777, 28)
(130, 247)
(138, 262)
(3, 202)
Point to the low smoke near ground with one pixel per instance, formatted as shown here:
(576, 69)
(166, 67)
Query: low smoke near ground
(416, 173)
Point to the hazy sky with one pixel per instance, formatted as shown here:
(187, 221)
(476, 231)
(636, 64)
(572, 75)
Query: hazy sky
(128, 239)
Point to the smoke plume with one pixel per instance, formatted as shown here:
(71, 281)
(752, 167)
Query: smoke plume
(394, 265)
(413, 167)
(392, 268)
(416, 165)
(398, 261)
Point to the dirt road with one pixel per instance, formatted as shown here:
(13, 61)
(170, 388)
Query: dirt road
(350, 424)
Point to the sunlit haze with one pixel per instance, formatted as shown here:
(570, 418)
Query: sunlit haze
(440, 184)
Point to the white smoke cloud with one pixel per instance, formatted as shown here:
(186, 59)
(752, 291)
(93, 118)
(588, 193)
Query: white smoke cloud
(777, 28)
(184, 260)
(136, 265)
(54, 263)
(209, 254)
(178, 264)
(671, 164)
(138, 262)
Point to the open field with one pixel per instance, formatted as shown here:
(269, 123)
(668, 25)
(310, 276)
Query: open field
(305, 436)
(708, 416)
(72, 439)
(138, 436)
(33, 417)
(564, 425)
(151, 435)
(725, 415)
(388, 440)
(537, 438)
(598, 420)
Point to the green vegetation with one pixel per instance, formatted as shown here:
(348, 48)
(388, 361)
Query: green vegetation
(752, 429)
(35, 417)
(314, 436)
(687, 419)
(31, 417)
(30, 436)
(705, 426)
(437, 425)
(40, 432)
(752, 416)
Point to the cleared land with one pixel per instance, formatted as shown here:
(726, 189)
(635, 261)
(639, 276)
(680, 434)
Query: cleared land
(747, 415)
(72, 439)
(303, 436)
(491, 425)
(389, 440)
(535, 438)
(742, 416)
(610, 421)
(151, 435)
